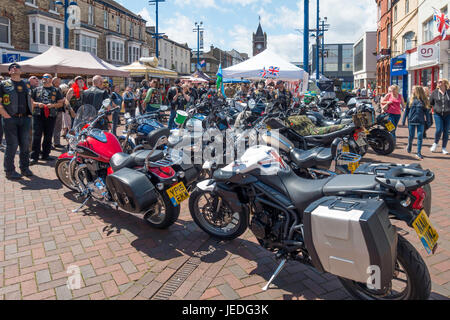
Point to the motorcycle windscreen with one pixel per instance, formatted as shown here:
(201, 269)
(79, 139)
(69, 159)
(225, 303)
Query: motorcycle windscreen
(85, 114)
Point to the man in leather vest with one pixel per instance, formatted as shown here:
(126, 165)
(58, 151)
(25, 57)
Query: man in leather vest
(282, 97)
(46, 99)
(95, 96)
(16, 110)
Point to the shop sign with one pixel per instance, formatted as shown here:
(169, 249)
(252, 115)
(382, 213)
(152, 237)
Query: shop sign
(428, 53)
(398, 64)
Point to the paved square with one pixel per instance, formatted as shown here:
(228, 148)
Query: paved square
(120, 257)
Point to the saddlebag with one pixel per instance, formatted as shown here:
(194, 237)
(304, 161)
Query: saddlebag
(351, 238)
(132, 190)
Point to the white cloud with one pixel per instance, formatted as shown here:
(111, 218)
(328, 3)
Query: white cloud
(145, 14)
(241, 39)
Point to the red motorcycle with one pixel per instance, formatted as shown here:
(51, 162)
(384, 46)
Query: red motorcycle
(141, 183)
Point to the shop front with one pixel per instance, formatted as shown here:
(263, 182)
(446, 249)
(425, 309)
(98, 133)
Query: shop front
(428, 63)
(399, 74)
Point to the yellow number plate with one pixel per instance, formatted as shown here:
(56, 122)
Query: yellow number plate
(390, 126)
(352, 166)
(346, 148)
(427, 234)
(178, 194)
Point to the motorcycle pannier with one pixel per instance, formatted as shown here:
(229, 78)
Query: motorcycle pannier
(132, 190)
(352, 239)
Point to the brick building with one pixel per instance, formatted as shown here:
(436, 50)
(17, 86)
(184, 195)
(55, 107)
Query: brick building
(384, 36)
(108, 30)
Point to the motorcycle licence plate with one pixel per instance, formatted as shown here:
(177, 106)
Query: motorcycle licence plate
(177, 194)
(390, 126)
(361, 140)
(426, 232)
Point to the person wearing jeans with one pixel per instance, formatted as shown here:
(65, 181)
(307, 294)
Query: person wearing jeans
(393, 104)
(440, 101)
(117, 100)
(1, 132)
(417, 118)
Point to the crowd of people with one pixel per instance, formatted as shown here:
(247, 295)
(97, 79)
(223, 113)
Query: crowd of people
(421, 110)
(35, 114)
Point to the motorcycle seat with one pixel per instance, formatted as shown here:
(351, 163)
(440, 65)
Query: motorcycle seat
(310, 158)
(350, 182)
(122, 160)
(329, 137)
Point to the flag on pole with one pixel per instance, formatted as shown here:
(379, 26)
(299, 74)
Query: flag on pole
(442, 23)
(219, 82)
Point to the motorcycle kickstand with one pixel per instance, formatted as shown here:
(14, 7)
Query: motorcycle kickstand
(82, 205)
(275, 274)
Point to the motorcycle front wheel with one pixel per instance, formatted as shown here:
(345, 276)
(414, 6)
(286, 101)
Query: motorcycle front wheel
(214, 215)
(163, 214)
(62, 172)
(411, 278)
(382, 142)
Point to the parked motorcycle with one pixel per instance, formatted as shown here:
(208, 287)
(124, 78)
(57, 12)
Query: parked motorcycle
(141, 183)
(339, 225)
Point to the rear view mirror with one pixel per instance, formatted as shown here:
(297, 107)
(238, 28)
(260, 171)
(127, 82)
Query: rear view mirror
(106, 103)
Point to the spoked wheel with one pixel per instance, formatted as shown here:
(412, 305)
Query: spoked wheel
(411, 279)
(163, 214)
(214, 216)
(62, 172)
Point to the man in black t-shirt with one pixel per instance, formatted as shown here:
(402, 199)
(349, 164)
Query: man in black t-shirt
(15, 109)
(46, 100)
(95, 96)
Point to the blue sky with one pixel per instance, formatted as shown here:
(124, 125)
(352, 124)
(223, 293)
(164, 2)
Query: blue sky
(229, 23)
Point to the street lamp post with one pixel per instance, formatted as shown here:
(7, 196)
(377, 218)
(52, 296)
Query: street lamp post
(323, 43)
(66, 5)
(306, 36)
(317, 41)
(198, 28)
(156, 35)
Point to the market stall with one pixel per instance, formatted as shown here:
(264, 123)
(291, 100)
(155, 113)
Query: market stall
(140, 70)
(59, 61)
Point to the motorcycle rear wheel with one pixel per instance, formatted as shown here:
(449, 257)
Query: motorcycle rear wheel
(163, 214)
(62, 172)
(418, 281)
(220, 223)
(384, 143)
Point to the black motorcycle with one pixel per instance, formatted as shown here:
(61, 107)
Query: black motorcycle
(339, 225)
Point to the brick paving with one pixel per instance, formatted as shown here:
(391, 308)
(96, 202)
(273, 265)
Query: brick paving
(121, 257)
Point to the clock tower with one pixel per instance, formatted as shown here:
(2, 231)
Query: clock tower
(259, 40)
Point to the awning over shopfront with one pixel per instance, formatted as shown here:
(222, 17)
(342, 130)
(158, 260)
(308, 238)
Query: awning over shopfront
(57, 60)
(138, 69)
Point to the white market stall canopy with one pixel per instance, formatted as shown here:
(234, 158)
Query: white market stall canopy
(266, 65)
(57, 60)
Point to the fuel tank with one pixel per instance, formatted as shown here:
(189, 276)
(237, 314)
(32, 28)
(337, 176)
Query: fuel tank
(103, 146)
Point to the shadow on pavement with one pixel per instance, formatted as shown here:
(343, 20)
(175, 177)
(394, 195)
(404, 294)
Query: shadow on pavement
(38, 183)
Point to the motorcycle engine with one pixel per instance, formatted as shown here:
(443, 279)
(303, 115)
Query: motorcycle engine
(98, 189)
(267, 226)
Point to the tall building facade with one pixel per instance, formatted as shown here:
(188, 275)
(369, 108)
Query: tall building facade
(364, 62)
(259, 40)
(174, 55)
(108, 30)
(384, 39)
(338, 62)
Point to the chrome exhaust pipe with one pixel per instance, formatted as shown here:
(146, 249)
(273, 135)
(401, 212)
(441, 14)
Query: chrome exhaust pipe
(80, 183)
(72, 166)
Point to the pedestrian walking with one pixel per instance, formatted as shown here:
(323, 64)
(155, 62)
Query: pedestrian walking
(417, 118)
(440, 102)
(46, 99)
(56, 82)
(16, 109)
(393, 104)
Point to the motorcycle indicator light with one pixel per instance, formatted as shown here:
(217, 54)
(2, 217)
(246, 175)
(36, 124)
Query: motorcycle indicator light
(419, 194)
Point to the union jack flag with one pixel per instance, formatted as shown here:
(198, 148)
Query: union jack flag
(263, 73)
(442, 23)
(274, 71)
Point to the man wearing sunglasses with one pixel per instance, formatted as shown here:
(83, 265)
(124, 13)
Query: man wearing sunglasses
(46, 100)
(16, 110)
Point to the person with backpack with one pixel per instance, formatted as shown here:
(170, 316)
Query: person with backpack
(417, 118)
